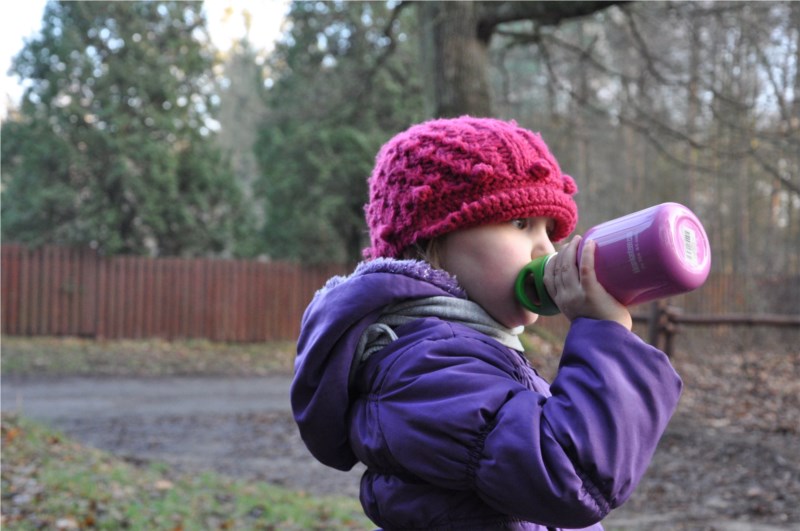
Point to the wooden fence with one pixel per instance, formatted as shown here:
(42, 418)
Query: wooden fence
(665, 321)
(726, 299)
(75, 292)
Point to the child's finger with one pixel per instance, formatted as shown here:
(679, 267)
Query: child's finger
(569, 269)
(588, 276)
(589, 281)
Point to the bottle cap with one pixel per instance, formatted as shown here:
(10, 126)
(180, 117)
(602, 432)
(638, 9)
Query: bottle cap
(530, 290)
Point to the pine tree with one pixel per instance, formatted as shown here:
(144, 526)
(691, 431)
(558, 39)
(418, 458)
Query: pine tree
(112, 145)
(343, 81)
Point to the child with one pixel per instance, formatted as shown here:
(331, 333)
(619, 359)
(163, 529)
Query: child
(413, 366)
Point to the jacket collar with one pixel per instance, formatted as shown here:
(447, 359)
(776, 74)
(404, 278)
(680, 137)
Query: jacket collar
(416, 269)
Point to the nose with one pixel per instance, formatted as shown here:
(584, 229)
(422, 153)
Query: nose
(542, 244)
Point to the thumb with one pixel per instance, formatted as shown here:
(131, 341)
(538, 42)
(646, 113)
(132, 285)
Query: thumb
(588, 275)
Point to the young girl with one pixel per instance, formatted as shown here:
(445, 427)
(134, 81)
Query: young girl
(413, 366)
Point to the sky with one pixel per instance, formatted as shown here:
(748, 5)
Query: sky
(24, 21)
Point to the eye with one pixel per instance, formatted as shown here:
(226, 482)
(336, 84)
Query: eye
(521, 223)
(549, 227)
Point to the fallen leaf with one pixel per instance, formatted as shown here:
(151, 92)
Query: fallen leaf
(66, 523)
(163, 484)
(11, 434)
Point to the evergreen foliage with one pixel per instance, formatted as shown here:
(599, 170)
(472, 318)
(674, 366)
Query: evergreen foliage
(117, 142)
(112, 145)
(343, 80)
(241, 112)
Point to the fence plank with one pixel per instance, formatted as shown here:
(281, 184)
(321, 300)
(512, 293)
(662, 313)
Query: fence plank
(61, 291)
(101, 303)
(71, 289)
(38, 286)
(10, 259)
(21, 297)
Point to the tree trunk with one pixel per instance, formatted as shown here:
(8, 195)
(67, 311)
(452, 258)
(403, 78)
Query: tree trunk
(455, 47)
(456, 60)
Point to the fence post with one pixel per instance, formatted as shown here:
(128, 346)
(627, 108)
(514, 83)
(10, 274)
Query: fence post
(670, 327)
(654, 323)
(662, 327)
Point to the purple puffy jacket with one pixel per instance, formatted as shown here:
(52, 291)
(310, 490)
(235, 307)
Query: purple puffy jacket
(456, 430)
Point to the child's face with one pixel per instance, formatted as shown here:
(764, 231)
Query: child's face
(487, 259)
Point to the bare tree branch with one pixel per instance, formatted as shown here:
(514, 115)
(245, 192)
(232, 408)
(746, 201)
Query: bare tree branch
(536, 38)
(784, 180)
(644, 51)
(369, 75)
(651, 125)
(544, 13)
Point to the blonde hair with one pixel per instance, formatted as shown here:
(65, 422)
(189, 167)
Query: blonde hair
(427, 251)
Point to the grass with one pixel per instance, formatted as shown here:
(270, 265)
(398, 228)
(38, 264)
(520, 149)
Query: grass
(51, 482)
(68, 356)
(54, 356)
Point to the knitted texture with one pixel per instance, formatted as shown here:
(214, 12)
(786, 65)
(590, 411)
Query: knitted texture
(449, 174)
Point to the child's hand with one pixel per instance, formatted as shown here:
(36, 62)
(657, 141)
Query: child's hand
(578, 293)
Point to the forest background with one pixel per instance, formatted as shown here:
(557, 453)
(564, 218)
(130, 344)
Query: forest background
(135, 135)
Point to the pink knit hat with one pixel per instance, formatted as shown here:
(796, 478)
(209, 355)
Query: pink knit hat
(449, 174)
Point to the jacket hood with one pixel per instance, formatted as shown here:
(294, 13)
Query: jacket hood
(329, 333)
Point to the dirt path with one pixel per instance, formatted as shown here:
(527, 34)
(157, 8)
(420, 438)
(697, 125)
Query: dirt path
(702, 478)
(237, 426)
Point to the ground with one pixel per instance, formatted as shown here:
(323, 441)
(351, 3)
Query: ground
(730, 459)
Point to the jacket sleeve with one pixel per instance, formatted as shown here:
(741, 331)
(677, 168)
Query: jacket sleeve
(456, 419)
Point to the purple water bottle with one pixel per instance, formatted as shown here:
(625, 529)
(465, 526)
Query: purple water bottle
(657, 252)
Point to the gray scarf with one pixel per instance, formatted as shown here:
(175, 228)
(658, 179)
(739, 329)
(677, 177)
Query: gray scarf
(452, 309)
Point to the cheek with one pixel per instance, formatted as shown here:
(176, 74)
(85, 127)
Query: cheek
(490, 268)
(506, 264)
(487, 267)
(495, 291)
(509, 311)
